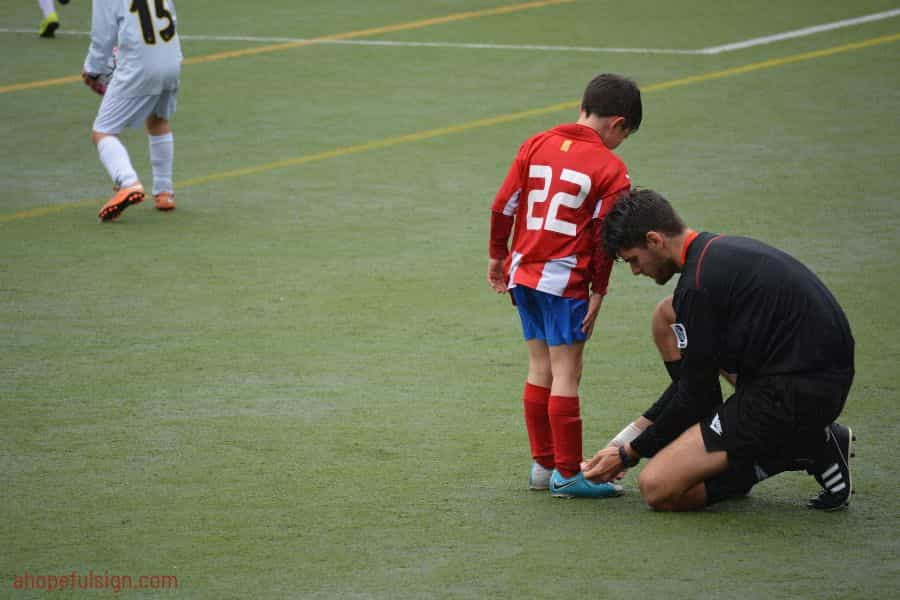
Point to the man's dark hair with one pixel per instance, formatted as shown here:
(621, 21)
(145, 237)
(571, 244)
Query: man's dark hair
(609, 95)
(639, 212)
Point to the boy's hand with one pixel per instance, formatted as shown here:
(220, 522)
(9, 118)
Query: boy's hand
(587, 324)
(496, 278)
(94, 82)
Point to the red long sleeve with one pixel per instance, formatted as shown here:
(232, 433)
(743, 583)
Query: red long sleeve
(501, 226)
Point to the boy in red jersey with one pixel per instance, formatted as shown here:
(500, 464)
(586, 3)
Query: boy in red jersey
(561, 185)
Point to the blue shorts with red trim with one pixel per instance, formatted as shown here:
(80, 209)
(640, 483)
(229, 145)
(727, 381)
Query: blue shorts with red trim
(554, 319)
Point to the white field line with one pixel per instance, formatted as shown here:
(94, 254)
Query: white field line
(801, 32)
(759, 41)
(474, 46)
(408, 44)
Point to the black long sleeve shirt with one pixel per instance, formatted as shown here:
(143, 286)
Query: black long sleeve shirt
(753, 310)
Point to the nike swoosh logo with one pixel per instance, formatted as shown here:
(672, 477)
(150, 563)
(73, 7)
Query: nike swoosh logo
(559, 486)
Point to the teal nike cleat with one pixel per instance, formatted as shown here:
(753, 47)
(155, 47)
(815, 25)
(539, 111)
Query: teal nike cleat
(579, 487)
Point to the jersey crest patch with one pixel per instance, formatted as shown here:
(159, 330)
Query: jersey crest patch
(680, 335)
(716, 425)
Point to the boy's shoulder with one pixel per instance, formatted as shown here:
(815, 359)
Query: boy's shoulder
(574, 145)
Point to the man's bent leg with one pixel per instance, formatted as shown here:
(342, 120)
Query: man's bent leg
(664, 338)
(673, 480)
(667, 344)
(661, 327)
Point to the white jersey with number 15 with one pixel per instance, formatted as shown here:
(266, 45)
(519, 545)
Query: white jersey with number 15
(149, 52)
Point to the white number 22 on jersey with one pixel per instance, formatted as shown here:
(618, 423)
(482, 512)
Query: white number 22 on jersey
(552, 223)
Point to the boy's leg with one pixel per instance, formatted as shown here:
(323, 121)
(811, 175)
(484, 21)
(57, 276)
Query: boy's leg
(564, 409)
(128, 189)
(114, 115)
(565, 420)
(674, 479)
(50, 22)
(114, 157)
(535, 399)
(47, 7)
(162, 155)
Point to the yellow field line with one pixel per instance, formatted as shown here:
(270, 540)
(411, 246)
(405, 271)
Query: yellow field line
(775, 62)
(378, 144)
(432, 133)
(474, 14)
(48, 210)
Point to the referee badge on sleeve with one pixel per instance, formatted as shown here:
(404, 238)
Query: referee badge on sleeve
(680, 335)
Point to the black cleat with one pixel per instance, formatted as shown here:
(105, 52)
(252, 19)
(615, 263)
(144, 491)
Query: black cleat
(835, 476)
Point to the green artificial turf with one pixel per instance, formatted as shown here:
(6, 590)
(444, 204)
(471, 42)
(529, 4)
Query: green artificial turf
(299, 385)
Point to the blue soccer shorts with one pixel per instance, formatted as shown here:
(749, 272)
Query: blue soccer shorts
(554, 319)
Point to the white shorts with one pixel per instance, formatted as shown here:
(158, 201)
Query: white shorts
(115, 114)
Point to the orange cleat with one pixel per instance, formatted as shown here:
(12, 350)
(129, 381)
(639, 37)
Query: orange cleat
(164, 201)
(122, 199)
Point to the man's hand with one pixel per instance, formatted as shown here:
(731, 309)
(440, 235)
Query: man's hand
(94, 82)
(605, 466)
(496, 278)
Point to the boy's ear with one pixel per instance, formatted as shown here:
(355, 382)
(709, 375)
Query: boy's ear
(617, 121)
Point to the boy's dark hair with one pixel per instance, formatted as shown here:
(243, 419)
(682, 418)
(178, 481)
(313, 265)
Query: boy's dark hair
(609, 95)
(640, 211)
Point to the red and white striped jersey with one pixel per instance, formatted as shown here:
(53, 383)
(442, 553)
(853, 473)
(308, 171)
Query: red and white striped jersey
(559, 188)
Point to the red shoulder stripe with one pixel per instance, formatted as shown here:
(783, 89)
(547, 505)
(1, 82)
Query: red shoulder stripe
(700, 260)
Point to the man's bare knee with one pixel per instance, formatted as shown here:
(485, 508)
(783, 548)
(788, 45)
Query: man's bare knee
(664, 310)
(653, 490)
(661, 327)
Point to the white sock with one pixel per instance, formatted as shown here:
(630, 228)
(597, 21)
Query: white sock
(47, 7)
(115, 158)
(162, 155)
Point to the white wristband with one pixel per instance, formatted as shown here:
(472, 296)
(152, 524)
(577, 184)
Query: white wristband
(625, 436)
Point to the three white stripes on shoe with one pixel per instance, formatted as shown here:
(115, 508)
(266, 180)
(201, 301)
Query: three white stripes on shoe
(836, 483)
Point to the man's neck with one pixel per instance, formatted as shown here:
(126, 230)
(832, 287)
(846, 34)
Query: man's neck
(680, 244)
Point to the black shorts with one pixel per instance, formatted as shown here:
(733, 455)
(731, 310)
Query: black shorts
(768, 426)
(779, 416)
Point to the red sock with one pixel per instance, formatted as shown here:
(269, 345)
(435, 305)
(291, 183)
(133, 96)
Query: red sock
(565, 420)
(540, 436)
